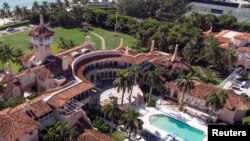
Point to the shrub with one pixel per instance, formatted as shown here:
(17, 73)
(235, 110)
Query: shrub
(3, 27)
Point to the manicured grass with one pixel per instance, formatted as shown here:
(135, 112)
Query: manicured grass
(21, 40)
(246, 120)
(118, 135)
(112, 41)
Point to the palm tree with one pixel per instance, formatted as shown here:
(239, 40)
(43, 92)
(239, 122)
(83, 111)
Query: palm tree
(62, 129)
(2, 14)
(18, 12)
(25, 13)
(133, 74)
(207, 75)
(112, 111)
(153, 80)
(131, 122)
(185, 84)
(100, 124)
(216, 101)
(44, 7)
(72, 133)
(211, 52)
(230, 57)
(122, 83)
(66, 3)
(35, 7)
(7, 54)
(6, 9)
(50, 135)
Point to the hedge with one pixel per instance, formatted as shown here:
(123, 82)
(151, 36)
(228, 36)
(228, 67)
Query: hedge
(3, 27)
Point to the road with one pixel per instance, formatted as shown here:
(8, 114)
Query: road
(17, 29)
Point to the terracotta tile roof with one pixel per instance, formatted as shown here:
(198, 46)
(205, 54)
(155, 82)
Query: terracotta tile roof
(41, 31)
(175, 65)
(224, 45)
(223, 39)
(51, 69)
(40, 108)
(16, 125)
(25, 58)
(63, 97)
(122, 50)
(94, 135)
(242, 36)
(202, 89)
(244, 49)
(237, 101)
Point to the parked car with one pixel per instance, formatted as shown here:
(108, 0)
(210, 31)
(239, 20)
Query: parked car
(235, 86)
(10, 29)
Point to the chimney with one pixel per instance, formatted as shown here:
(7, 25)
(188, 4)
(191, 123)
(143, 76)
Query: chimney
(7, 69)
(41, 20)
(87, 41)
(127, 51)
(27, 106)
(65, 64)
(152, 48)
(175, 53)
(121, 43)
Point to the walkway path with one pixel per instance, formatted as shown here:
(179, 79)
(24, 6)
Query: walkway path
(102, 39)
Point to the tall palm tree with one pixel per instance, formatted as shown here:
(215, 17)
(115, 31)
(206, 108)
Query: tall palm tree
(35, 7)
(6, 9)
(133, 74)
(122, 83)
(25, 12)
(18, 12)
(216, 101)
(185, 84)
(153, 79)
(2, 14)
(7, 54)
(112, 111)
(131, 122)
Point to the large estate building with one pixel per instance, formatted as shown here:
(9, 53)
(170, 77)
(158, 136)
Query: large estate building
(69, 82)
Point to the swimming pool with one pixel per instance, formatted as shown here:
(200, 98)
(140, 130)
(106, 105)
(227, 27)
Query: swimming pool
(171, 125)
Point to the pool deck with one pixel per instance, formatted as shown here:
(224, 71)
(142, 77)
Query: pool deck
(185, 118)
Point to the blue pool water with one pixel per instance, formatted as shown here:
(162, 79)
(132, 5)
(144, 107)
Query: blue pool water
(21, 3)
(171, 125)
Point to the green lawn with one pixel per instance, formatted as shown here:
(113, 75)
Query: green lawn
(112, 41)
(21, 40)
(118, 135)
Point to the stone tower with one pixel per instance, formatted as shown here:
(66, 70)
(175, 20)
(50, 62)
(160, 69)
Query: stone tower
(41, 39)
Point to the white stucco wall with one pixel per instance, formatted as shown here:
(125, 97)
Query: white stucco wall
(29, 137)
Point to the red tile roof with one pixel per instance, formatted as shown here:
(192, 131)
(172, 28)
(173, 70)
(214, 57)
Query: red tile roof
(16, 125)
(201, 90)
(242, 36)
(94, 135)
(41, 31)
(244, 49)
(63, 97)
